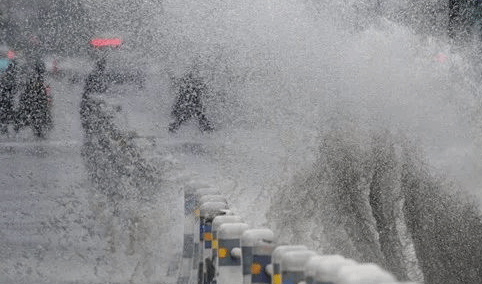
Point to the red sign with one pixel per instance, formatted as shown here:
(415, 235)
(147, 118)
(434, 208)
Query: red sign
(105, 42)
(11, 54)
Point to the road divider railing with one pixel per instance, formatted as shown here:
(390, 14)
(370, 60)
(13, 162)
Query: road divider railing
(293, 265)
(274, 269)
(256, 248)
(228, 263)
(221, 248)
(208, 211)
(217, 222)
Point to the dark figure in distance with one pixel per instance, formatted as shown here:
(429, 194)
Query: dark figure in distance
(96, 82)
(8, 87)
(188, 104)
(35, 104)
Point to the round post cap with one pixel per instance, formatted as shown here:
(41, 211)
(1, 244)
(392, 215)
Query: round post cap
(366, 273)
(231, 230)
(211, 209)
(212, 198)
(294, 261)
(279, 250)
(253, 236)
(221, 219)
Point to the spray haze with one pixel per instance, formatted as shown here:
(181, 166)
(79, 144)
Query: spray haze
(299, 66)
(350, 126)
(349, 98)
(387, 126)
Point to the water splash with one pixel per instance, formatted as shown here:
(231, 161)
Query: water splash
(288, 74)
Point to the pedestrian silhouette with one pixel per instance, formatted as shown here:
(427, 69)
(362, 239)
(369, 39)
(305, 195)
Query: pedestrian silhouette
(8, 88)
(191, 89)
(35, 104)
(97, 81)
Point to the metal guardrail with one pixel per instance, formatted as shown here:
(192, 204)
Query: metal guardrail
(220, 248)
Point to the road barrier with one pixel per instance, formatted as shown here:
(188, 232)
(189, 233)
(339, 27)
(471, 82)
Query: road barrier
(217, 222)
(274, 269)
(256, 248)
(208, 211)
(293, 265)
(228, 263)
(220, 248)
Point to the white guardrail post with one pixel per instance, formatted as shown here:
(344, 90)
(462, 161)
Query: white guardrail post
(208, 211)
(217, 222)
(274, 268)
(229, 269)
(187, 269)
(257, 246)
(293, 265)
(197, 262)
(249, 239)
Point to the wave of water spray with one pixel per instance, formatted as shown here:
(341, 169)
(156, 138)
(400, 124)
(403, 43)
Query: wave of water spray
(357, 107)
(369, 88)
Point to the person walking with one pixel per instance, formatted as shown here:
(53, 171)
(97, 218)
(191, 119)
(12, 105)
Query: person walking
(96, 81)
(188, 105)
(35, 104)
(8, 88)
